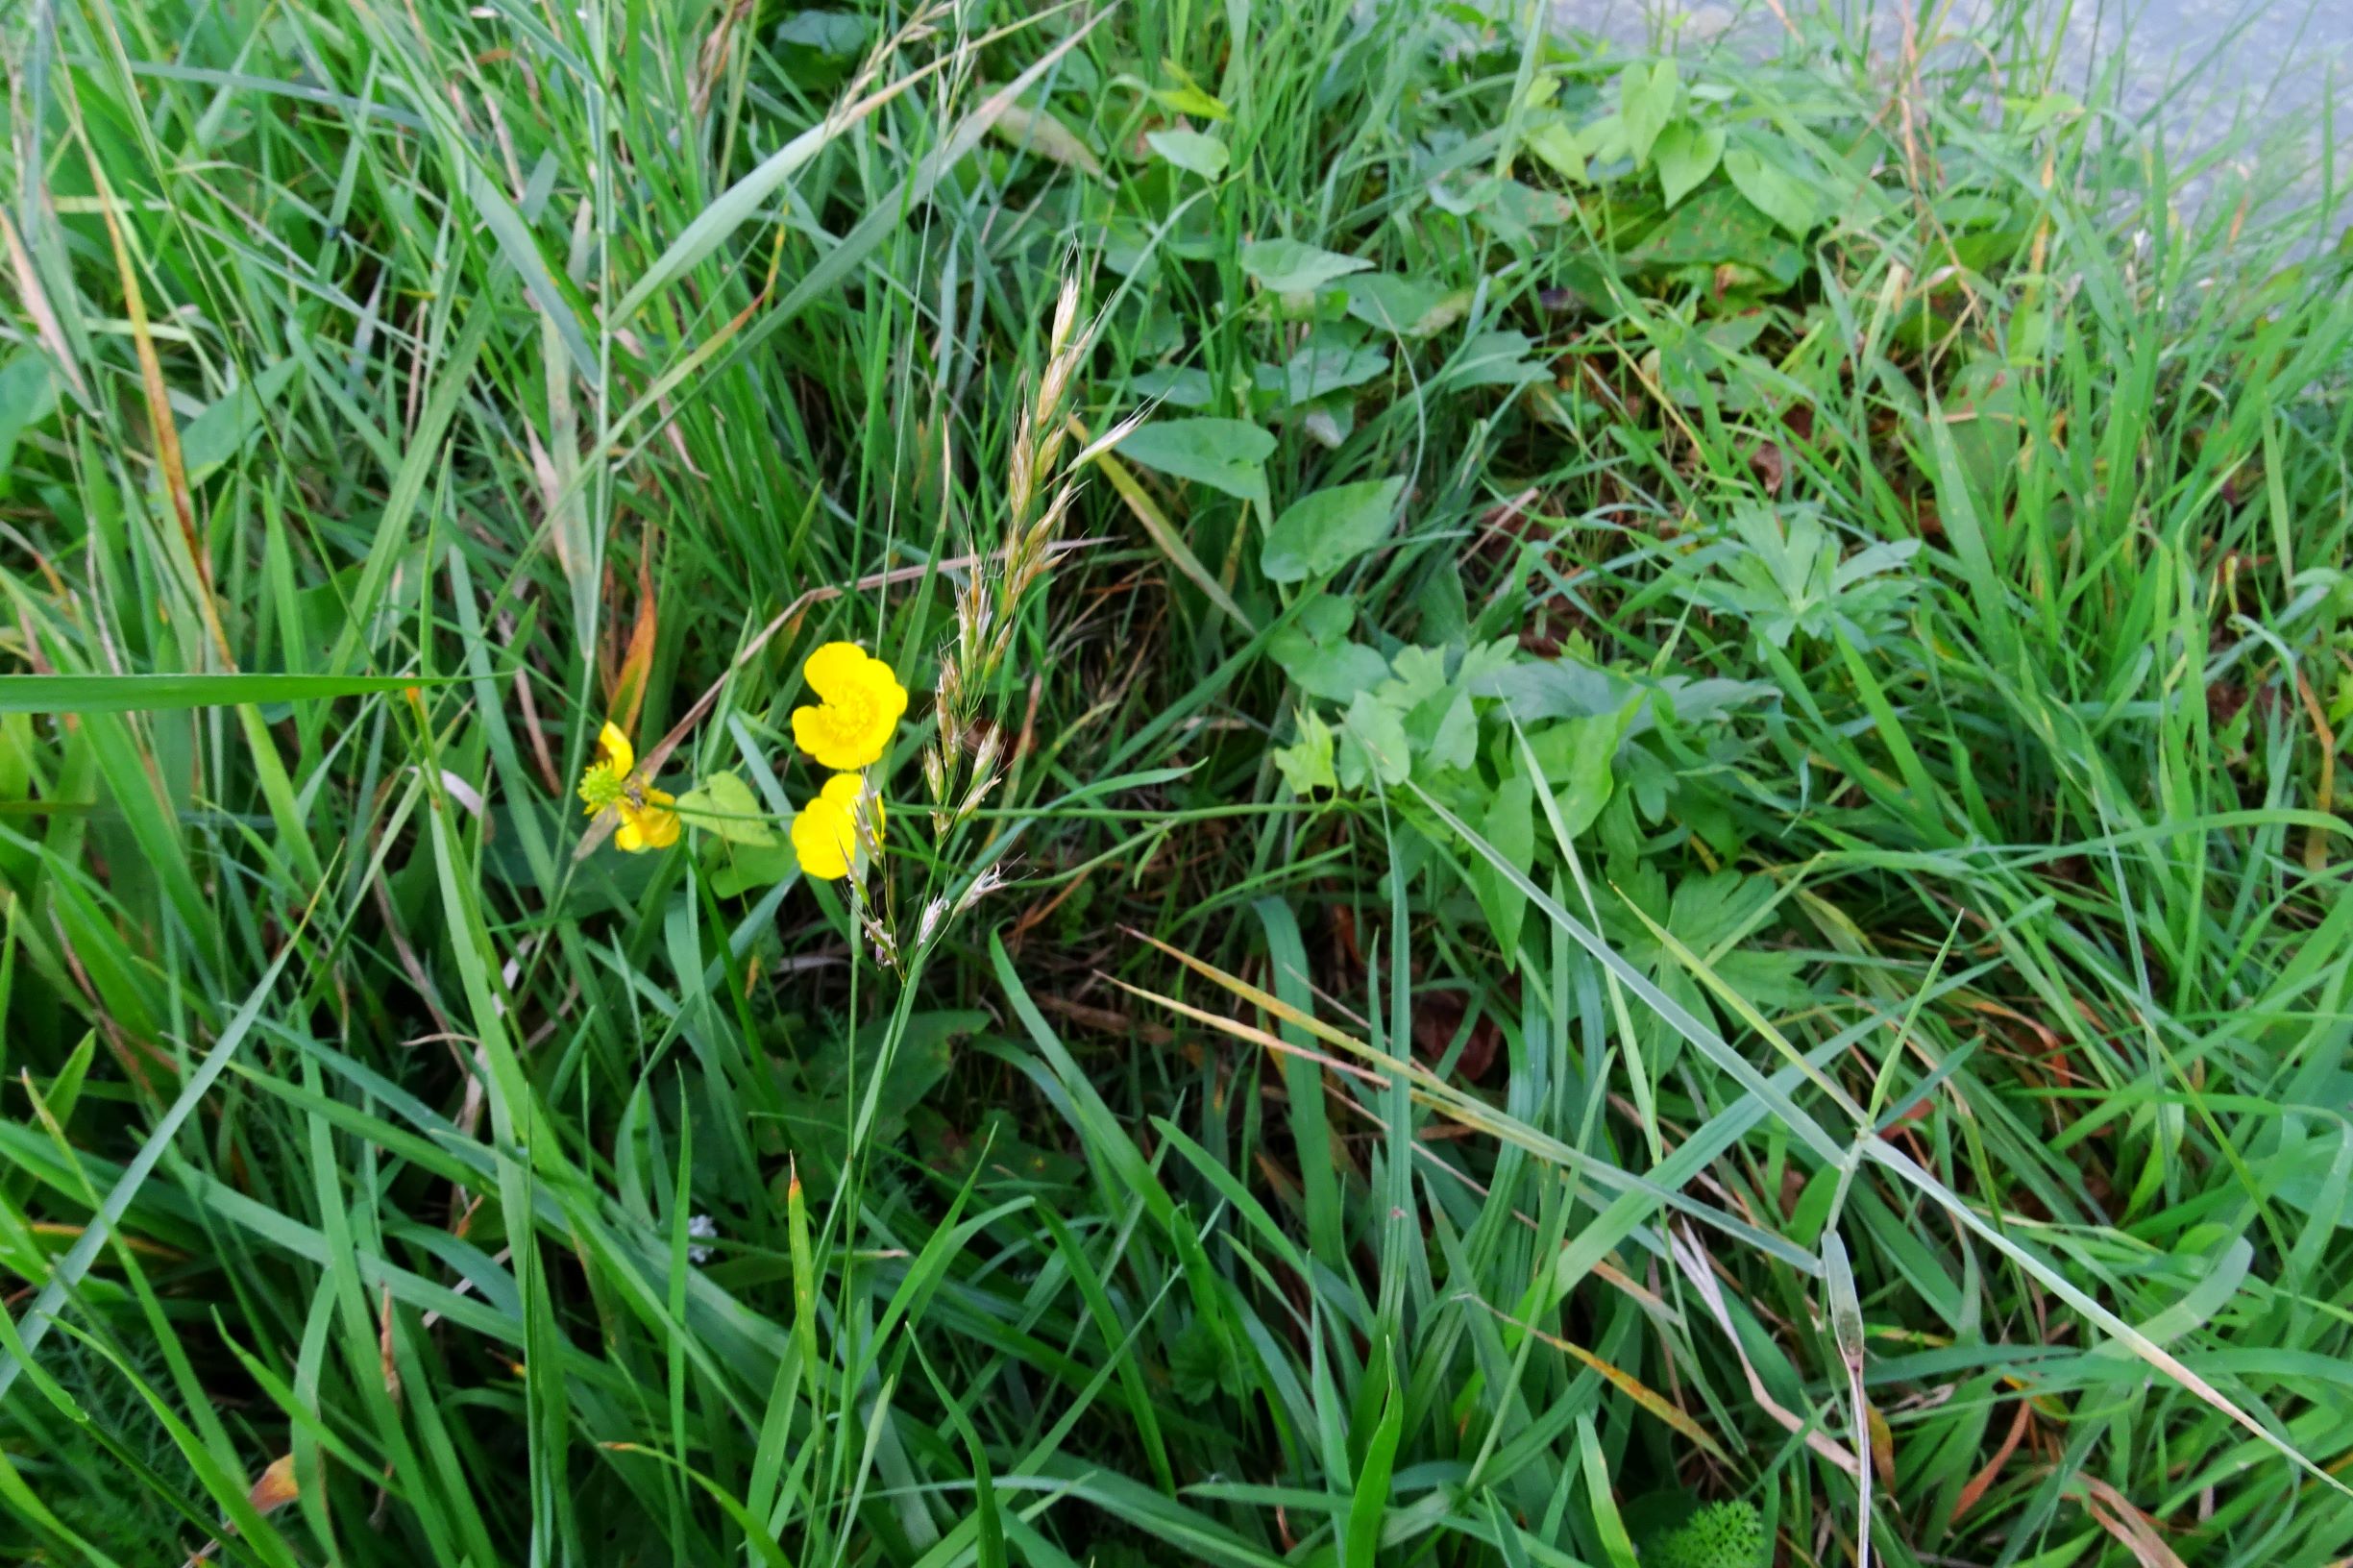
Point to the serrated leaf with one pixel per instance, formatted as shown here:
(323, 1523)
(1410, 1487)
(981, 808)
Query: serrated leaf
(725, 804)
(1191, 150)
(1227, 454)
(1316, 652)
(1306, 764)
(1319, 534)
(1686, 155)
(1373, 744)
(1575, 757)
(1288, 266)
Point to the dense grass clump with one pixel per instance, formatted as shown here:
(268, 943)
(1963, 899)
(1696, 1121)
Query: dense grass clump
(1616, 835)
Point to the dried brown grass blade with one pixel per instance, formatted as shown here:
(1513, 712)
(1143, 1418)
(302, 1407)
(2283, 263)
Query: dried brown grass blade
(1626, 1382)
(1693, 1262)
(166, 430)
(2133, 1530)
(1991, 1472)
(37, 306)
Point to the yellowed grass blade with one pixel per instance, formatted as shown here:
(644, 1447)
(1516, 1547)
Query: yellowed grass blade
(168, 462)
(1626, 1382)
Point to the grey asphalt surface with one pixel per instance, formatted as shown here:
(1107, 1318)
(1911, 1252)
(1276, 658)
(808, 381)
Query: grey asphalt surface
(2202, 68)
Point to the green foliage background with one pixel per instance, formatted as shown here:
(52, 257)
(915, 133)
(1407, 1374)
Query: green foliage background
(1705, 712)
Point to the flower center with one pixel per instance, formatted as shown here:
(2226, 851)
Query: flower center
(604, 785)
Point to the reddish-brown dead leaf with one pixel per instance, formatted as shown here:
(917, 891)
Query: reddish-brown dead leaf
(2134, 1530)
(1437, 1019)
(1991, 1472)
(624, 666)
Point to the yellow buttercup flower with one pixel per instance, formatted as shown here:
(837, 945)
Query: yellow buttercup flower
(825, 832)
(611, 783)
(859, 703)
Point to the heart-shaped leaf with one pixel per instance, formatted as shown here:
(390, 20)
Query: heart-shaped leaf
(1407, 306)
(1192, 151)
(1319, 534)
(1287, 267)
(725, 804)
(1772, 191)
(1686, 155)
(1648, 99)
(1228, 454)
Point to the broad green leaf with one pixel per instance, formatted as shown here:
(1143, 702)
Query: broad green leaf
(1373, 744)
(1716, 227)
(1687, 155)
(1191, 150)
(725, 804)
(1319, 534)
(1319, 368)
(1315, 651)
(832, 33)
(1574, 756)
(28, 392)
(744, 867)
(214, 437)
(1648, 99)
(1772, 190)
(1404, 305)
(1288, 266)
(1509, 823)
(1170, 539)
(1558, 145)
(1335, 671)
(1228, 454)
(1495, 359)
(1178, 386)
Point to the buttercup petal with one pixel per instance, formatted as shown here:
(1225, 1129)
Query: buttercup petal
(862, 703)
(613, 747)
(658, 828)
(834, 670)
(818, 731)
(824, 838)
